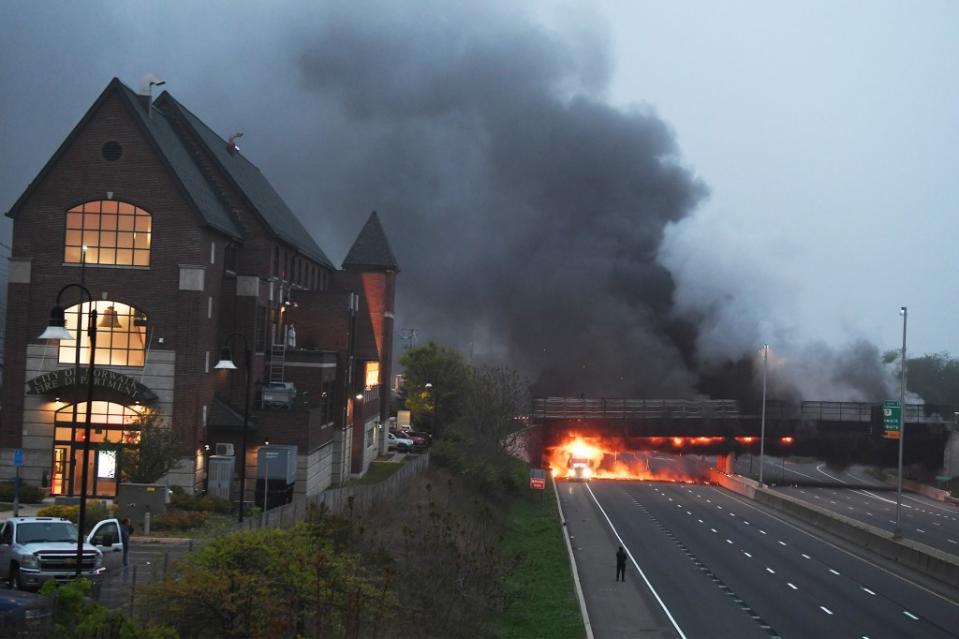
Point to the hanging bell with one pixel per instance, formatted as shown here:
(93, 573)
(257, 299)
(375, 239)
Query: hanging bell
(109, 319)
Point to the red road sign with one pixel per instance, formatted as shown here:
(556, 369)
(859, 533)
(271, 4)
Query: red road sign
(537, 484)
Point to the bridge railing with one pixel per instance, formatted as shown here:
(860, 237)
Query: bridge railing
(612, 408)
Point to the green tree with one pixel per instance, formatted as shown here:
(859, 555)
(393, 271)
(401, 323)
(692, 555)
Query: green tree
(156, 454)
(495, 398)
(435, 382)
(935, 378)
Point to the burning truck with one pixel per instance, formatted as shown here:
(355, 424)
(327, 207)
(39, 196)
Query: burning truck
(579, 468)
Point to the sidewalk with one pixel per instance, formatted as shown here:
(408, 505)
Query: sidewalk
(616, 609)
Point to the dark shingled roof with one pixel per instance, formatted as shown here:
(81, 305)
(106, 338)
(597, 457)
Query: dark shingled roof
(371, 250)
(251, 183)
(172, 152)
(177, 156)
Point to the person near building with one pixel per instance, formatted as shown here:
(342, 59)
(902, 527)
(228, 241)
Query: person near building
(126, 530)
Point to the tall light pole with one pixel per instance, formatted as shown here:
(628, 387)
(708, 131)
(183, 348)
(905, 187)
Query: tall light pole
(57, 329)
(897, 534)
(226, 362)
(762, 428)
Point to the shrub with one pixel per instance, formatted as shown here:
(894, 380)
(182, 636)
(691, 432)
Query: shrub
(29, 494)
(71, 512)
(75, 615)
(204, 503)
(180, 520)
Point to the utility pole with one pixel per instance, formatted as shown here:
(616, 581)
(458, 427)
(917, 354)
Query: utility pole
(409, 336)
(762, 428)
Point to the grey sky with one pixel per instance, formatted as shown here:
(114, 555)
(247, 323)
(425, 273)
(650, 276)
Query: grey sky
(829, 138)
(825, 135)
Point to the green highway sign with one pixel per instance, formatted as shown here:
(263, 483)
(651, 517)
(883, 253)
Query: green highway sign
(892, 415)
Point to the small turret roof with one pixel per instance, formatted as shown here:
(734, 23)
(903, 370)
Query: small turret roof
(371, 250)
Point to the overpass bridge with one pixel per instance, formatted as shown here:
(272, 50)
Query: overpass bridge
(840, 431)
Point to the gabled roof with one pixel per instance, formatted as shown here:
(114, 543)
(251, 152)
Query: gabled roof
(371, 250)
(171, 150)
(251, 184)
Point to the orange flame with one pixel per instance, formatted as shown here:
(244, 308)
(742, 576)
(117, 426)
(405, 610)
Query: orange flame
(607, 458)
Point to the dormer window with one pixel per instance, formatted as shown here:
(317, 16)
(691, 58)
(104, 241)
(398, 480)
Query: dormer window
(111, 233)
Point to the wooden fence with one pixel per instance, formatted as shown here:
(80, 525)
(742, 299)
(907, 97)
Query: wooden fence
(364, 497)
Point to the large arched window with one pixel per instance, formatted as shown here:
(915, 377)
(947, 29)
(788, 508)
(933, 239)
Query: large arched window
(114, 233)
(121, 334)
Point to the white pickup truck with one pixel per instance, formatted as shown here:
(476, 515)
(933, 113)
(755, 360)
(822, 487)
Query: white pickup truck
(36, 549)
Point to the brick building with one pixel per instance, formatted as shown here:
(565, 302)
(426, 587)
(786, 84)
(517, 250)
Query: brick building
(182, 242)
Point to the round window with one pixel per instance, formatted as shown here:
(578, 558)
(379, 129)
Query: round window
(111, 151)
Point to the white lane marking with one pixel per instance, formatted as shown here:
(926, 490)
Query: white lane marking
(719, 507)
(745, 522)
(713, 529)
(709, 501)
(869, 591)
(729, 541)
(870, 514)
(762, 531)
(791, 586)
(700, 520)
(891, 521)
(638, 569)
(732, 514)
(952, 541)
(781, 542)
(805, 556)
(826, 610)
(920, 530)
(574, 570)
(910, 615)
(835, 572)
(770, 570)
(929, 592)
(747, 554)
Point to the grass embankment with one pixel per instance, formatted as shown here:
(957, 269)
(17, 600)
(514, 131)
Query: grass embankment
(542, 602)
(378, 471)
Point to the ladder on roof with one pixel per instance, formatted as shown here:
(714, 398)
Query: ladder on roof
(277, 359)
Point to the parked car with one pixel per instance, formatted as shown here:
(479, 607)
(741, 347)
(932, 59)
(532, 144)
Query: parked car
(398, 442)
(36, 549)
(25, 614)
(419, 441)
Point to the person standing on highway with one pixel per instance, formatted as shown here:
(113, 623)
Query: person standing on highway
(126, 529)
(620, 564)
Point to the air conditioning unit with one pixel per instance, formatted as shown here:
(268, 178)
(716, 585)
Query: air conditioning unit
(224, 449)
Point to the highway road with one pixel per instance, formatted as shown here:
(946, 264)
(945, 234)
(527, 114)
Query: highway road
(724, 567)
(855, 494)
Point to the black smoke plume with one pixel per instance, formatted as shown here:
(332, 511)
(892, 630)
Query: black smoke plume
(527, 211)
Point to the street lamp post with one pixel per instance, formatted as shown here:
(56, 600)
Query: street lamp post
(226, 362)
(762, 428)
(57, 329)
(897, 534)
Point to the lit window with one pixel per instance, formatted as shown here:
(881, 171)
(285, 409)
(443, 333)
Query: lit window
(115, 233)
(121, 335)
(372, 374)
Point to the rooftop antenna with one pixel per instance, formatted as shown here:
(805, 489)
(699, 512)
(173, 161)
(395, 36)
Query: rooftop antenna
(231, 145)
(153, 83)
